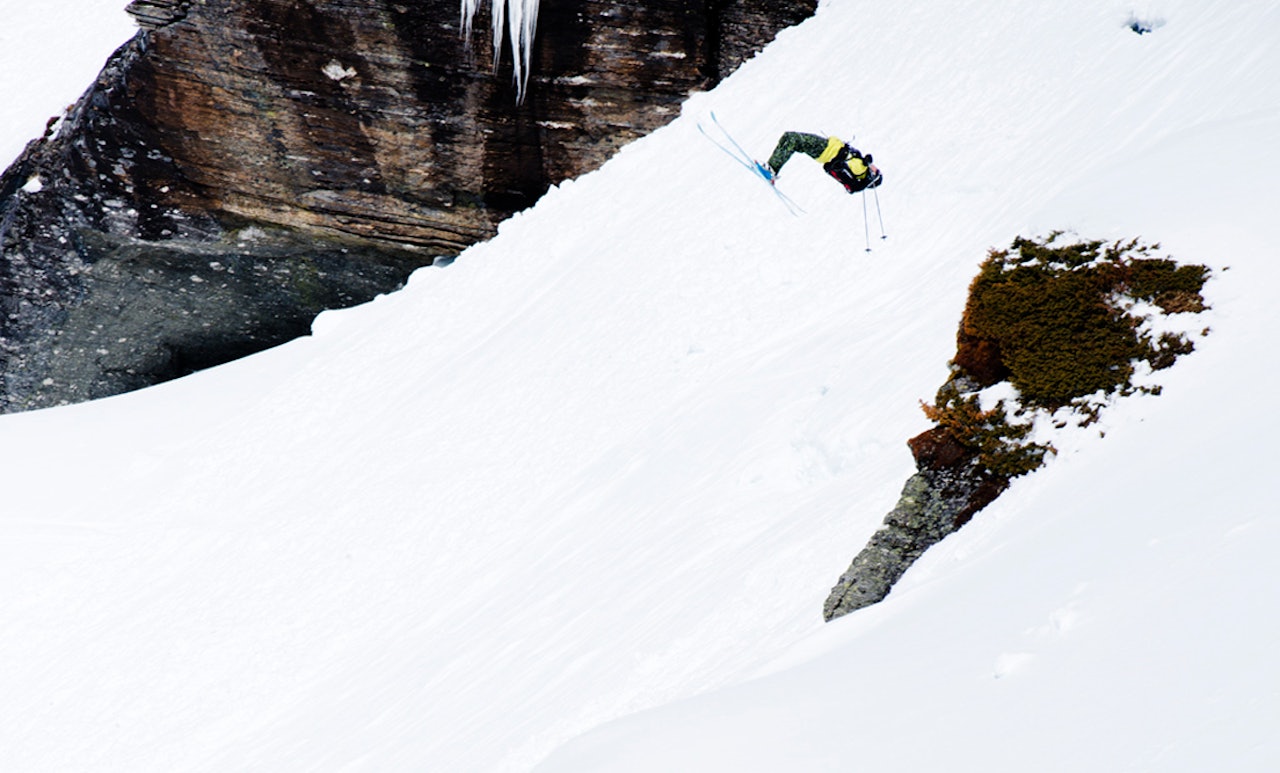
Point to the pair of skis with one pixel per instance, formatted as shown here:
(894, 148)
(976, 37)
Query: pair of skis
(730, 147)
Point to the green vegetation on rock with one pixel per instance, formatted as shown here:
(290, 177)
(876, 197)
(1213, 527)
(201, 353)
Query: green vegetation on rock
(1063, 322)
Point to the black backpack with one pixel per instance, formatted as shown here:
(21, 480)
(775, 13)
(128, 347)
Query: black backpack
(838, 168)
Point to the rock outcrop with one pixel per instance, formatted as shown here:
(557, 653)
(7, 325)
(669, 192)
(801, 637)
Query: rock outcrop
(154, 14)
(950, 486)
(1066, 323)
(241, 165)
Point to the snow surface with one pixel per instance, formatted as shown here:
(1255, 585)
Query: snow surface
(573, 503)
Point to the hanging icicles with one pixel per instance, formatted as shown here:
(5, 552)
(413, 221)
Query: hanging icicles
(517, 19)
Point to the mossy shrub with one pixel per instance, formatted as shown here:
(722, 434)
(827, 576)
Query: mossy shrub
(999, 443)
(1056, 318)
(1058, 315)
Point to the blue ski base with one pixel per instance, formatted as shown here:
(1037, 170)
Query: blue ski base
(732, 149)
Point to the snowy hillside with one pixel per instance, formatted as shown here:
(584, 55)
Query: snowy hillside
(573, 503)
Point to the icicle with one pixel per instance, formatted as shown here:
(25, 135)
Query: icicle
(520, 20)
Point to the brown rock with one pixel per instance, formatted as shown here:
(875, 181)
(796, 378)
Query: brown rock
(380, 120)
(937, 449)
(354, 139)
(981, 360)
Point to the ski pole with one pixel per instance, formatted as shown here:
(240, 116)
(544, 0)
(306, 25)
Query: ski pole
(866, 229)
(875, 191)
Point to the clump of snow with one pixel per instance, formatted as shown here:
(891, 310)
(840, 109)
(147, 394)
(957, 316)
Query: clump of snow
(1001, 392)
(334, 70)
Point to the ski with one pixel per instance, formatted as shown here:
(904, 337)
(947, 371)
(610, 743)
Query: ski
(735, 151)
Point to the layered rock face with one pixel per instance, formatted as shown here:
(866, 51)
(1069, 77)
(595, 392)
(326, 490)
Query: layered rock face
(241, 165)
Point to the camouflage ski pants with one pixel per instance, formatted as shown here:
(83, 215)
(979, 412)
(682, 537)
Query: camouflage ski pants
(796, 142)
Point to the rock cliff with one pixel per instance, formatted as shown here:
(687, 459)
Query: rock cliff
(241, 165)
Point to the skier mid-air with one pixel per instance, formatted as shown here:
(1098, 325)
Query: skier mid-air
(847, 164)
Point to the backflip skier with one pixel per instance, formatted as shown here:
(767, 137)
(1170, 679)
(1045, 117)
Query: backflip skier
(839, 159)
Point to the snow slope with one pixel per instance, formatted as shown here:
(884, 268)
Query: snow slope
(611, 461)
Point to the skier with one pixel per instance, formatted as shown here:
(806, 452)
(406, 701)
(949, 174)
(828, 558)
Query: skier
(839, 159)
